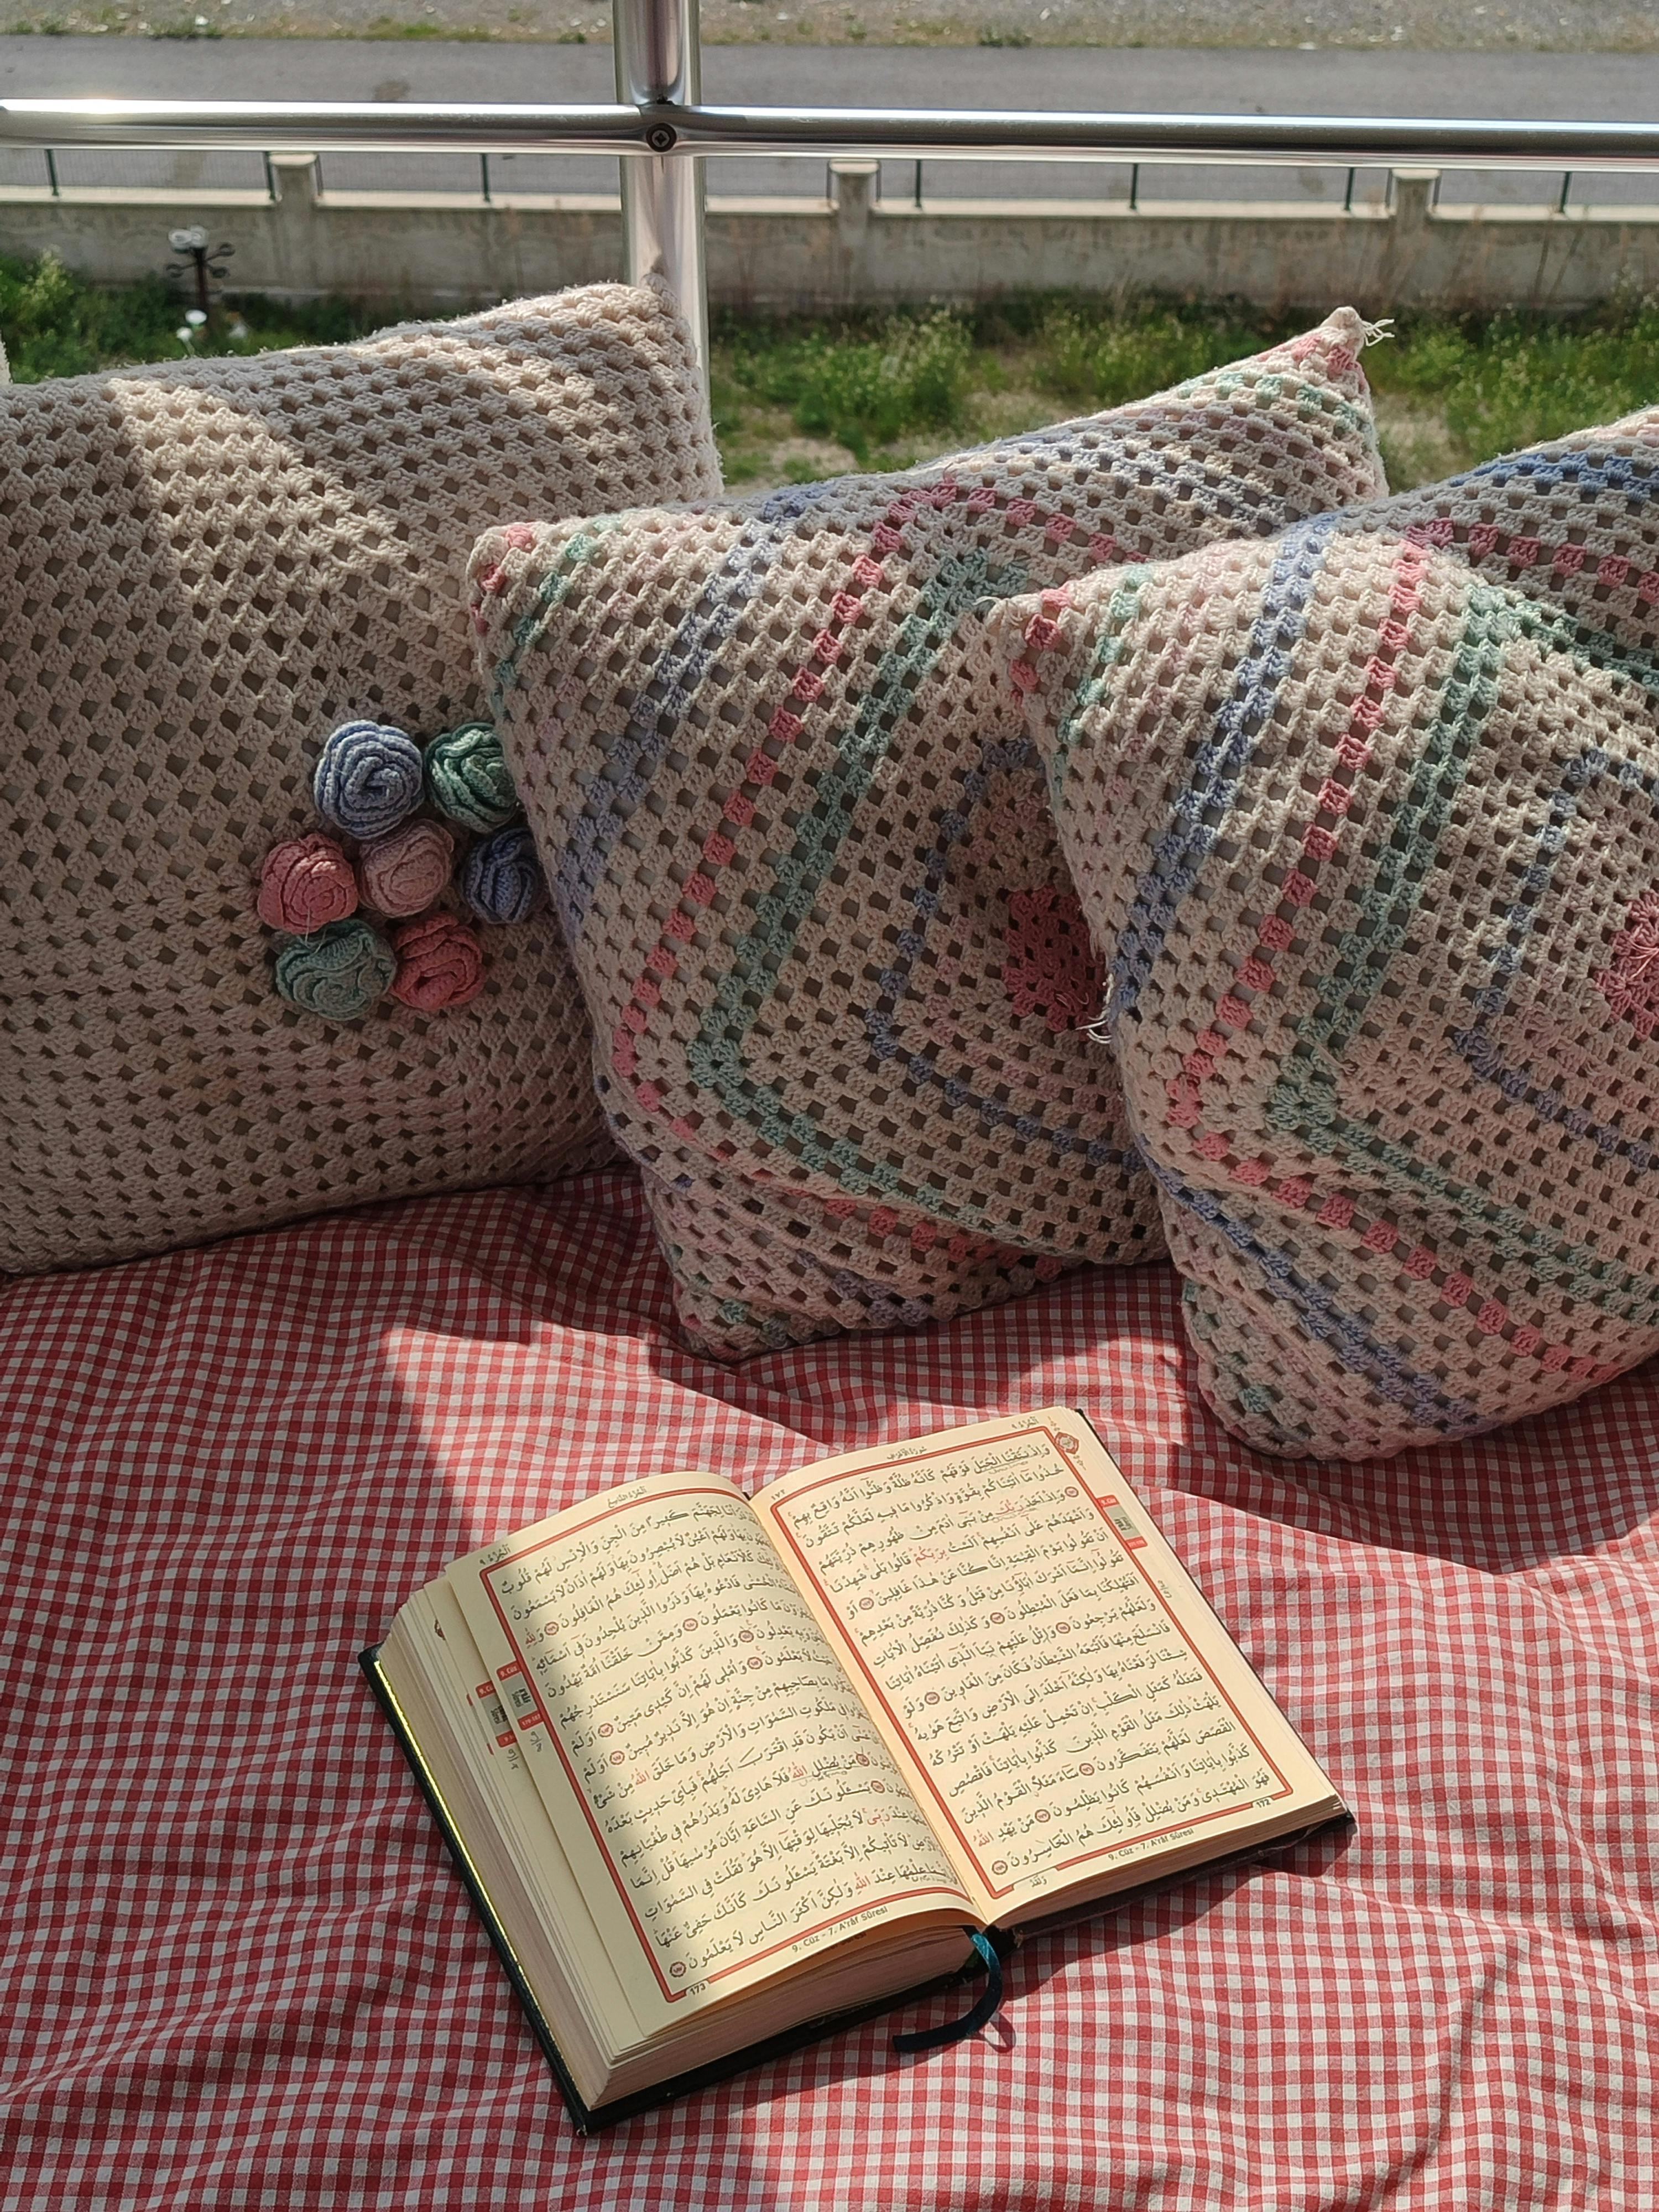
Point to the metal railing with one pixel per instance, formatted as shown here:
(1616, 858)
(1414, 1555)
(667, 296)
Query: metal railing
(661, 131)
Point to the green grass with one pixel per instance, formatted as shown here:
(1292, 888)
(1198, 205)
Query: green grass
(801, 398)
(865, 387)
(54, 323)
(798, 398)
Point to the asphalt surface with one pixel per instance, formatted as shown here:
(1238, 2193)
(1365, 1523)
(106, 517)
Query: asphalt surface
(1584, 86)
(1572, 27)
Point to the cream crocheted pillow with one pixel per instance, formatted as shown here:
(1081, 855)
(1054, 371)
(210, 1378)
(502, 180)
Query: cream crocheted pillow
(800, 848)
(1368, 822)
(205, 568)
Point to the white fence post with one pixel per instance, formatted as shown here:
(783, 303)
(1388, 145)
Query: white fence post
(658, 59)
(299, 246)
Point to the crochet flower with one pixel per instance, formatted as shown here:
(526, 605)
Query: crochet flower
(467, 778)
(339, 974)
(304, 884)
(368, 779)
(502, 880)
(403, 873)
(440, 963)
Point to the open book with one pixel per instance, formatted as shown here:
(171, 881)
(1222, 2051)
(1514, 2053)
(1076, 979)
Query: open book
(722, 1772)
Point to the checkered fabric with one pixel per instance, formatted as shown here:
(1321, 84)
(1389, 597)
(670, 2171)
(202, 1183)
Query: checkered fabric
(241, 1973)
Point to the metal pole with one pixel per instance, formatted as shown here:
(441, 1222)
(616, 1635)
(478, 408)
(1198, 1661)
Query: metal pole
(658, 62)
(686, 131)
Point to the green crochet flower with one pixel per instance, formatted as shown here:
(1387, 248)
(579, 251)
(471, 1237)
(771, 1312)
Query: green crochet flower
(467, 778)
(339, 974)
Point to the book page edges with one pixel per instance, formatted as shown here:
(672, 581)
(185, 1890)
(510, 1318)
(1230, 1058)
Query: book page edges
(588, 2119)
(582, 2115)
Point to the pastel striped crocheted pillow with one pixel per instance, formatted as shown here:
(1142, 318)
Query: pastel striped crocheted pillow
(800, 849)
(1367, 821)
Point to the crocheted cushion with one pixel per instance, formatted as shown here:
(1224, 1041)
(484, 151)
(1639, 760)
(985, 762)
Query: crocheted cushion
(803, 860)
(1369, 821)
(206, 568)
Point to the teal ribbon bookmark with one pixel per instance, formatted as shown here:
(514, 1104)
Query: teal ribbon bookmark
(953, 2031)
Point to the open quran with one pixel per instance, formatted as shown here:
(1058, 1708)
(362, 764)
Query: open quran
(723, 1773)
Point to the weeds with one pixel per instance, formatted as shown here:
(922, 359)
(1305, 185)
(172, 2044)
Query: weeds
(1078, 354)
(1512, 382)
(1450, 391)
(799, 397)
(55, 324)
(865, 388)
(389, 27)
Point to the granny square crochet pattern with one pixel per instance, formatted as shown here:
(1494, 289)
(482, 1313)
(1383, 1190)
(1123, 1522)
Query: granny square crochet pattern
(800, 844)
(1368, 822)
(207, 567)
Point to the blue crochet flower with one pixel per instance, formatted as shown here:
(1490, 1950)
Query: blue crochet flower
(368, 779)
(502, 880)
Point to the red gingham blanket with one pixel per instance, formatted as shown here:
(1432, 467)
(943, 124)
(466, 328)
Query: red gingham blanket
(241, 1973)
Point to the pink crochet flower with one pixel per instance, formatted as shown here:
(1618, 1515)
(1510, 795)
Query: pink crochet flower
(304, 884)
(440, 963)
(403, 872)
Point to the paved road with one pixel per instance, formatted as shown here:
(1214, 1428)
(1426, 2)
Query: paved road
(1501, 27)
(1587, 86)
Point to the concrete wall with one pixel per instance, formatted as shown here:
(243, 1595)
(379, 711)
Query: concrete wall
(447, 249)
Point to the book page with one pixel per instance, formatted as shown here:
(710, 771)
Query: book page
(728, 1809)
(1053, 1684)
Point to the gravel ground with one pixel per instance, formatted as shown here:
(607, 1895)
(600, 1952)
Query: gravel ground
(1501, 26)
